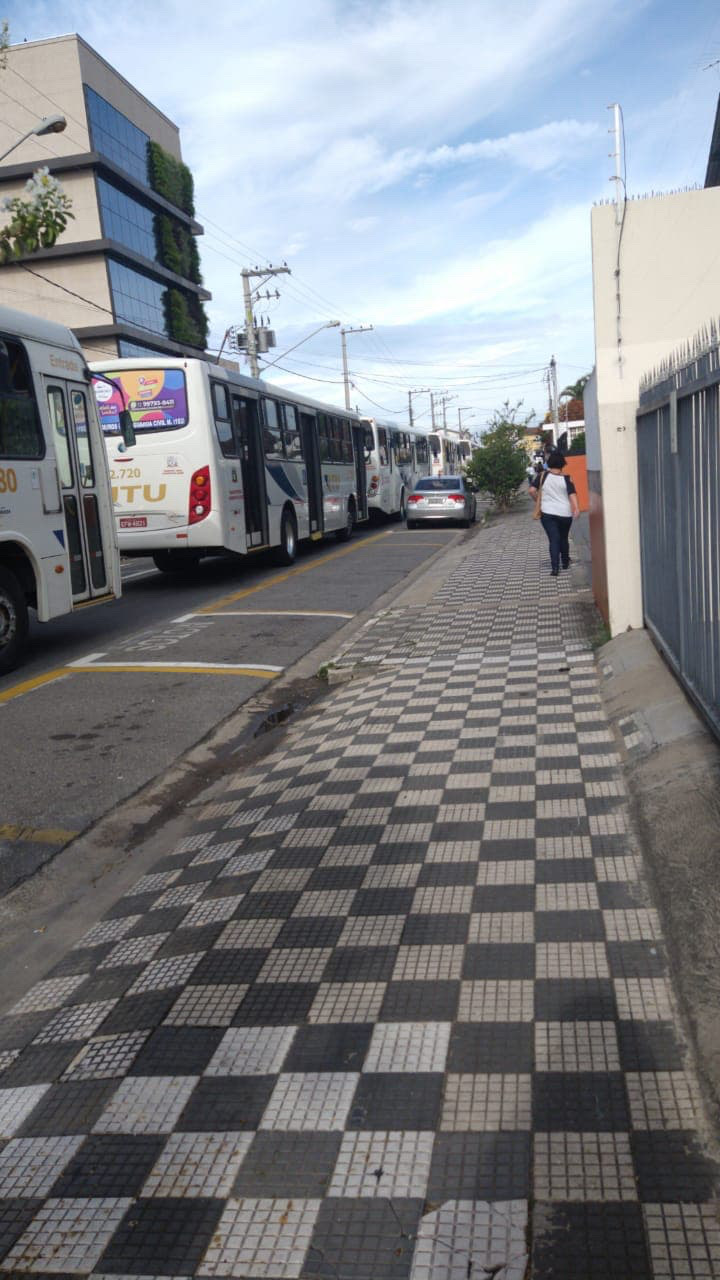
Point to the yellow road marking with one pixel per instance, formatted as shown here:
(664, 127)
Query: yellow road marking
(36, 835)
(27, 686)
(291, 573)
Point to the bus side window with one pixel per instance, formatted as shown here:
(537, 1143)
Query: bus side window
(323, 427)
(80, 418)
(291, 433)
(20, 431)
(346, 442)
(223, 423)
(58, 419)
(382, 446)
(336, 443)
(272, 435)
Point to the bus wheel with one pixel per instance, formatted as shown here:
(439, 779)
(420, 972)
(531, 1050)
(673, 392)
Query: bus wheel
(344, 535)
(402, 513)
(13, 620)
(286, 552)
(176, 561)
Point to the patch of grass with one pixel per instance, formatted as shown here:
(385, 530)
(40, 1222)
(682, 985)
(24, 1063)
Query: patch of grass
(323, 672)
(600, 636)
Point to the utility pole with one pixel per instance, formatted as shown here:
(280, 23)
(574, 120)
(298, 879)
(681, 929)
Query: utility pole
(250, 296)
(420, 391)
(444, 401)
(432, 409)
(617, 156)
(554, 398)
(361, 328)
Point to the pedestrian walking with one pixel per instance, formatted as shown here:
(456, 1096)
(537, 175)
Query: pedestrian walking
(555, 505)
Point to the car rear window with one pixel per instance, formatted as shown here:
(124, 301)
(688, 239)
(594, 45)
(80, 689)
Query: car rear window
(439, 482)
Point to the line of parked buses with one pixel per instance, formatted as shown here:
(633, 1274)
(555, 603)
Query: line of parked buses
(174, 459)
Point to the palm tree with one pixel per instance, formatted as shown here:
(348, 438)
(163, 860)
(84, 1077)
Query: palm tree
(575, 390)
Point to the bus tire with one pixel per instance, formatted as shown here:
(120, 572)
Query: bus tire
(344, 535)
(286, 552)
(402, 512)
(176, 561)
(412, 524)
(13, 621)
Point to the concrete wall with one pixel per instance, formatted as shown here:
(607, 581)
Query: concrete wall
(42, 78)
(83, 275)
(669, 287)
(46, 77)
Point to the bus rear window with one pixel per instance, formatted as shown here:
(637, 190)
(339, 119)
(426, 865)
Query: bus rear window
(156, 398)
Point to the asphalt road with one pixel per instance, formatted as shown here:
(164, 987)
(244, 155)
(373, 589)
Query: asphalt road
(112, 696)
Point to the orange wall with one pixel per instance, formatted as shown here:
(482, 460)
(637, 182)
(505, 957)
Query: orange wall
(576, 468)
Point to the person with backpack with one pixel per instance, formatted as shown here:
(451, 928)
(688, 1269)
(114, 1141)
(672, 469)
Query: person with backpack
(555, 505)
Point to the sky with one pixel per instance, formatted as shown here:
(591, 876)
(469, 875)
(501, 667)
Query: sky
(426, 169)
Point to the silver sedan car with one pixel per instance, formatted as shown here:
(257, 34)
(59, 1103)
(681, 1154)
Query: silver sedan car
(441, 498)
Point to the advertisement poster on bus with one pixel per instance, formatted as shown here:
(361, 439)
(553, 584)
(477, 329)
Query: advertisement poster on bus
(156, 398)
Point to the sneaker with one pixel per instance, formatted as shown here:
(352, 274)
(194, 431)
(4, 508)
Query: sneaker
(566, 566)
(554, 573)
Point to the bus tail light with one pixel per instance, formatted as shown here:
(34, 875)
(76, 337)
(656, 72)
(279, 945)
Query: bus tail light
(200, 496)
(374, 484)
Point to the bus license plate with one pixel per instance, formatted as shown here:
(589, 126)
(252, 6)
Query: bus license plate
(133, 522)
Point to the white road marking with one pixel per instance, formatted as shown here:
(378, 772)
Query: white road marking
(146, 573)
(91, 661)
(266, 613)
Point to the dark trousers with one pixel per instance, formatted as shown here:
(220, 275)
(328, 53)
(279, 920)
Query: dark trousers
(557, 529)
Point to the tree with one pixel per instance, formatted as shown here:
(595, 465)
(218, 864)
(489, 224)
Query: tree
(578, 444)
(37, 217)
(499, 465)
(575, 389)
(41, 213)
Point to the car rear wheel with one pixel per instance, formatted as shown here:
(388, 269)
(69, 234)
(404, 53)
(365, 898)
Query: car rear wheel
(13, 621)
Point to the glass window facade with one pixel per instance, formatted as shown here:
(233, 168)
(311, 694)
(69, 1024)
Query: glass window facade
(137, 298)
(126, 220)
(114, 136)
(128, 349)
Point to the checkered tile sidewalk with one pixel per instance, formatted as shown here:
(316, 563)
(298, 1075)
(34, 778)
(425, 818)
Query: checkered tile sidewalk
(401, 982)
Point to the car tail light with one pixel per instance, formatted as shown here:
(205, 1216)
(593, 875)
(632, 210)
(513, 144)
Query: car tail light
(200, 495)
(374, 484)
(414, 497)
(456, 497)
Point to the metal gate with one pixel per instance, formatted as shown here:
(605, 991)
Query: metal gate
(678, 443)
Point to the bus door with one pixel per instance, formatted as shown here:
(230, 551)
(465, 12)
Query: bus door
(252, 465)
(80, 476)
(358, 433)
(311, 454)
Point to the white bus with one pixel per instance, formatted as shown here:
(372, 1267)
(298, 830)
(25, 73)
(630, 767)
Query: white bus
(57, 540)
(449, 453)
(394, 458)
(222, 462)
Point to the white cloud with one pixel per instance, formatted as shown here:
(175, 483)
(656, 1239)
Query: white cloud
(427, 168)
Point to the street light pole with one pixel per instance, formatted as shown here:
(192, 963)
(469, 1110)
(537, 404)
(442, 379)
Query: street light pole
(362, 328)
(331, 324)
(463, 408)
(48, 124)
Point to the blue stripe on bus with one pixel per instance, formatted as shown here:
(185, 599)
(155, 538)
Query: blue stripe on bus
(280, 477)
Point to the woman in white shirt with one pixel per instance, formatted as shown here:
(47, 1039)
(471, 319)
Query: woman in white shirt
(558, 505)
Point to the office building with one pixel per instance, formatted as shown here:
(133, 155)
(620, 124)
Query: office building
(125, 274)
